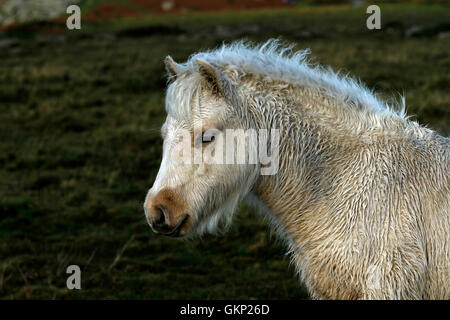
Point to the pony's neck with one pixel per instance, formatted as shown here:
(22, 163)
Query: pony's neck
(312, 145)
(318, 136)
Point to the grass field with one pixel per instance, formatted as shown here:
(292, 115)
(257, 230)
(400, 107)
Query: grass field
(79, 146)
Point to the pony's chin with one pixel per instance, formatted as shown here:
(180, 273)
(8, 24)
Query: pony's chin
(181, 230)
(213, 225)
(185, 227)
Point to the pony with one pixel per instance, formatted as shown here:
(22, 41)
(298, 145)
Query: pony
(360, 196)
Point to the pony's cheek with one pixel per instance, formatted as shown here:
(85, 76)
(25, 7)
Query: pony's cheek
(201, 171)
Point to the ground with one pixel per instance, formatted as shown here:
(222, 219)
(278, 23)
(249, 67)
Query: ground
(80, 146)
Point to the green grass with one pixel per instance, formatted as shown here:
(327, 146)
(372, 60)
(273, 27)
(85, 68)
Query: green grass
(87, 5)
(79, 147)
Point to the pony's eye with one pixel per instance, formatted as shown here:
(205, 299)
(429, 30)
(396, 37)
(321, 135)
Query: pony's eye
(206, 139)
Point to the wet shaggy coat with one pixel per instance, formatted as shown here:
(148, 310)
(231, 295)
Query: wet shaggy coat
(361, 196)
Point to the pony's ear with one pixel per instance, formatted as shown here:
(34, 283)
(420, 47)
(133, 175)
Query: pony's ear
(173, 68)
(216, 80)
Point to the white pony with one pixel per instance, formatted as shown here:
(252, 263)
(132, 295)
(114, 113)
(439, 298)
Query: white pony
(361, 195)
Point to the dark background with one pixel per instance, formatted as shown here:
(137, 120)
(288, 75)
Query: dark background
(79, 138)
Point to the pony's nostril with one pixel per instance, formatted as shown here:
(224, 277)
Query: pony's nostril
(161, 220)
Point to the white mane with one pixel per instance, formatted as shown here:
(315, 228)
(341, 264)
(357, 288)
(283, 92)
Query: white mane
(275, 62)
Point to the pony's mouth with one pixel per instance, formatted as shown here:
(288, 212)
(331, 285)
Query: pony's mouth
(176, 232)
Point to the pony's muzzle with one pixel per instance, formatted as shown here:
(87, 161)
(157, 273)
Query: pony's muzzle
(165, 214)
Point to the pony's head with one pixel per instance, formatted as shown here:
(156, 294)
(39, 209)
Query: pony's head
(196, 189)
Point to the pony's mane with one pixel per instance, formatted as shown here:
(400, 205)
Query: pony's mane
(275, 61)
